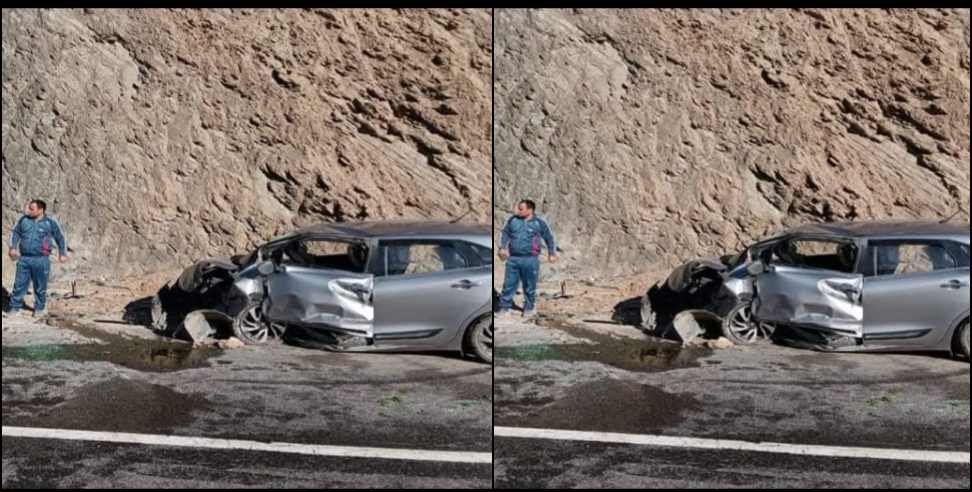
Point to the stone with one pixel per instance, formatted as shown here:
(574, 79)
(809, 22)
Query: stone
(231, 343)
(688, 328)
(721, 343)
(196, 329)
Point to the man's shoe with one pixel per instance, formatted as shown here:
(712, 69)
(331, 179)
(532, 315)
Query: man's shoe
(530, 315)
(40, 316)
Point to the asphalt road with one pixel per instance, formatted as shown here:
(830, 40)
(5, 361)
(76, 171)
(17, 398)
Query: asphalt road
(588, 375)
(116, 378)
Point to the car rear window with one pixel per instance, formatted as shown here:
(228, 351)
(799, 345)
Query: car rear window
(907, 258)
(402, 257)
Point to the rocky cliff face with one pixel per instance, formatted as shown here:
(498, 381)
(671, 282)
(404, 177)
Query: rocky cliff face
(653, 137)
(158, 137)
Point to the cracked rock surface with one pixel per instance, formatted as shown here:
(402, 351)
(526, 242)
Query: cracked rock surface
(161, 136)
(652, 137)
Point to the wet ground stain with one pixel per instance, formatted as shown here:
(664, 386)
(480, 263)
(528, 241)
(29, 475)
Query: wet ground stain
(627, 354)
(139, 354)
(120, 405)
(631, 407)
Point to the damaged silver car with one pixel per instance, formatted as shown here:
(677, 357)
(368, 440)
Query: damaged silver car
(350, 287)
(832, 287)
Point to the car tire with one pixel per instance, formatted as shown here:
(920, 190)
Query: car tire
(251, 327)
(741, 328)
(962, 339)
(479, 340)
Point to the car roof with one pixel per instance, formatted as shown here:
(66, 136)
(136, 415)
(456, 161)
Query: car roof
(361, 230)
(863, 230)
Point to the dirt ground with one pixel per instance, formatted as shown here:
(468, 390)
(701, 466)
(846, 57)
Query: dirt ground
(83, 369)
(576, 369)
(98, 298)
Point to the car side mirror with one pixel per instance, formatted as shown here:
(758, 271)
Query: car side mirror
(756, 268)
(266, 268)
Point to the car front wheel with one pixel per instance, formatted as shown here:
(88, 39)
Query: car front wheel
(251, 327)
(479, 340)
(741, 327)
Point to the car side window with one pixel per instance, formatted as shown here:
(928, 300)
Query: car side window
(417, 257)
(911, 257)
(962, 252)
(476, 255)
(324, 254)
(815, 254)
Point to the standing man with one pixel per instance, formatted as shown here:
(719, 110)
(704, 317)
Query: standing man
(520, 248)
(30, 247)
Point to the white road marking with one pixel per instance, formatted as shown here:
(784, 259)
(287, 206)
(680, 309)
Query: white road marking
(239, 445)
(725, 445)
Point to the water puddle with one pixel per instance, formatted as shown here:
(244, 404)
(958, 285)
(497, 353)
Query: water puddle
(139, 354)
(119, 405)
(622, 353)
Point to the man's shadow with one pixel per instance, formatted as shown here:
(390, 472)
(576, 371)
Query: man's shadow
(496, 303)
(5, 298)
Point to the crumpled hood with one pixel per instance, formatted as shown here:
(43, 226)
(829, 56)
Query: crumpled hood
(191, 278)
(680, 279)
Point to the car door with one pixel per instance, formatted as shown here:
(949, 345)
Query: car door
(917, 289)
(425, 292)
(310, 296)
(789, 292)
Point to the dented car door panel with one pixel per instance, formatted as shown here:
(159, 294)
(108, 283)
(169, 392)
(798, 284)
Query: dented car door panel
(811, 298)
(336, 300)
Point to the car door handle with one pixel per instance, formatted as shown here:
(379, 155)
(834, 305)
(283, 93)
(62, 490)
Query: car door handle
(955, 285)
(466, 284)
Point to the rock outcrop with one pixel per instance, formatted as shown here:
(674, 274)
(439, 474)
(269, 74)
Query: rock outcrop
(653, 137)
(162, 136)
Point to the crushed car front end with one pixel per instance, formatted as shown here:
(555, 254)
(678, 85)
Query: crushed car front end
(712, 287)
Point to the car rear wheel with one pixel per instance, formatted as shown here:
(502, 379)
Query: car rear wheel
(251, 327)
(741, 327)
(479, 340)
(963, 339)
